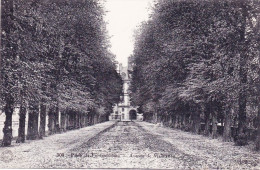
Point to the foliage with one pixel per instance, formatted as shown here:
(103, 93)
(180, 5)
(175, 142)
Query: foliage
(62, 45)
(193, 55)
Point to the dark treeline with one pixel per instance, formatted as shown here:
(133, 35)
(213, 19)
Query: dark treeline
(55, 61)
(196, 67)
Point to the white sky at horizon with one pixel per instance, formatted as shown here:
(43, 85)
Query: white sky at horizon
(123, 17)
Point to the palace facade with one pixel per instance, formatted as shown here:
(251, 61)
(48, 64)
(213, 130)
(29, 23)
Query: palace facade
(124, 111)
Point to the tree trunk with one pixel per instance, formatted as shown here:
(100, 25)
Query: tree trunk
(95, 119)
(32, 131)
(43, 110)
(183, 120)
(82, 120)
(88, 119)
(67, 121)
(173, 120)
(22, 118)
(76, 120)
(227, 125)
(2, 5)
(163, 119)
(56, 120)
(170, 120)
(9, 109)
(242, 74)
(7, 27)
(257, 141)
(186, 122)
(176, 124)
(91, 119)
(63, 121)
(155, 117)
(195, 122)
(79, 121)
(214, 125)
(207, 121)
(85, 119)
(242, 113)
(51, 124)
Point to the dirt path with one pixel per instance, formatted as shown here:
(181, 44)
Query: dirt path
(130, 145)
(46, 153)
(214, 153)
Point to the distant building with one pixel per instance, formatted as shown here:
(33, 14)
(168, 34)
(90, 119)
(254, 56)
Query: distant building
(124, 111)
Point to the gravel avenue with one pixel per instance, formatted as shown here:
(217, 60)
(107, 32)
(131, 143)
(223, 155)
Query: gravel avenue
(128, 145)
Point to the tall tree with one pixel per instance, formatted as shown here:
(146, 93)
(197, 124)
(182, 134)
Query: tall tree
(192, 63)
(8, 56)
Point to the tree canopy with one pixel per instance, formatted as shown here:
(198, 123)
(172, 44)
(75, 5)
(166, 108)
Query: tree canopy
(193, 61)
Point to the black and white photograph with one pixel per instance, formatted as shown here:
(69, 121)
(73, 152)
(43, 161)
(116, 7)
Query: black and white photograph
(130, 84)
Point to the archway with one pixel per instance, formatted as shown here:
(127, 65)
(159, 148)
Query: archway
(132, 114)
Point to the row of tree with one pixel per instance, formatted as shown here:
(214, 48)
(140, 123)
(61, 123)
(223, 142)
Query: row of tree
(197, 63)
(55, 59)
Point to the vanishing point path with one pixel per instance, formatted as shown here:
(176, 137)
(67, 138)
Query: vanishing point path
(128, 145)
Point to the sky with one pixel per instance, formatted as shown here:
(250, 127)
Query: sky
(123, 17)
